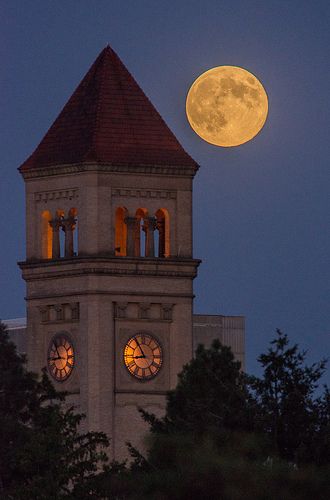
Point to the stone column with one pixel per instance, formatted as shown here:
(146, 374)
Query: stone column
(144, 310)
(161, 239)
(120, 309)
(59, 312)
(137, 237)
(150, 224)
(74, 306)
(167, 310)
(68, 226)
(55, 224)
(131, 224)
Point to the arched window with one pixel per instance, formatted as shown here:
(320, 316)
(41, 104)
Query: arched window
(140, 240)
(46, 235)
(61, 235)
(163, 226)
(70, 229)
(121, 232)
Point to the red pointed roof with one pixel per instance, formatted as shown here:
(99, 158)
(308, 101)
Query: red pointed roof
(108, 120)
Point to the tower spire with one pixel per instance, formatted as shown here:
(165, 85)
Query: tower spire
(108, 120)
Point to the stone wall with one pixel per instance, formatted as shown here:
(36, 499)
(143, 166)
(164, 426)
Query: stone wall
(230, 330)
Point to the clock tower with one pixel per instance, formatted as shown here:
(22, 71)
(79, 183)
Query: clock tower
(109, 267)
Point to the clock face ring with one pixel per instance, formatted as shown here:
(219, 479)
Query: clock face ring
(61, 357)
(143, 356)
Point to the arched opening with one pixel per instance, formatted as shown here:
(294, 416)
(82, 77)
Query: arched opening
(61, 234)
(156, 242)
(140, 233)
(46, 235)
(121, 232)
(163, 226)
(73, 219)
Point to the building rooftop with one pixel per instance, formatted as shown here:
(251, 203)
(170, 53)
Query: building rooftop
(109, 120)
(15, 323)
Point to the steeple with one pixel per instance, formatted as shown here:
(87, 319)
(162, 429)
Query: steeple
(109, 121)
(109, 265)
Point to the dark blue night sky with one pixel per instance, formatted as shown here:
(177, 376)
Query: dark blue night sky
(261, 213)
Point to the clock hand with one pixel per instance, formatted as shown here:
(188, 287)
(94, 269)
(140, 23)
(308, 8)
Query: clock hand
(57, 350)
(136, 340)
(135, 357)
(55, 359)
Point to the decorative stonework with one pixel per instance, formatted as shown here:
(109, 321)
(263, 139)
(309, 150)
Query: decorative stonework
(63, 194)
(74, 306)
(121, 309)
(58, 170)
(59, 310)
(112, 266)
(144, 193)
(44, 313)
(144, 310)
(59, 313)
(166, 311)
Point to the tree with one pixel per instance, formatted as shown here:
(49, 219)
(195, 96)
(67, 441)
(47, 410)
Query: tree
(227, 435)
(287, 410)
(201, 470)
(210, 396)
(281, 410)
(217, 438)
(43, 455)
(321, 438)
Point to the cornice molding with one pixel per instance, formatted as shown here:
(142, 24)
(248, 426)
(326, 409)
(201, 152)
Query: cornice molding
(60, 194)
(110, 271)
(113, 293)
(112, 266)
(72, 169)
(143, 193)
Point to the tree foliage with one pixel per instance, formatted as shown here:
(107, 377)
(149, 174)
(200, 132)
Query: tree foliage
(181, 467)
(211, 396)
(287, 409)
(43, 454)
(227, 435)
(224, 434)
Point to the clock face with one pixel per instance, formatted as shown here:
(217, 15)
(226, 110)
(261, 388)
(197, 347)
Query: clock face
(60, 357)
(143, 356)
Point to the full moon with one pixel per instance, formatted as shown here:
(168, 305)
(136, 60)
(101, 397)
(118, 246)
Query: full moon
(227, 106)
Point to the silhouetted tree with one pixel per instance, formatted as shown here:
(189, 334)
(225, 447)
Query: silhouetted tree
(320, 442)
(211, 396)
(224, 434)
(227, 435)
(42, 454)
(288, 411)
